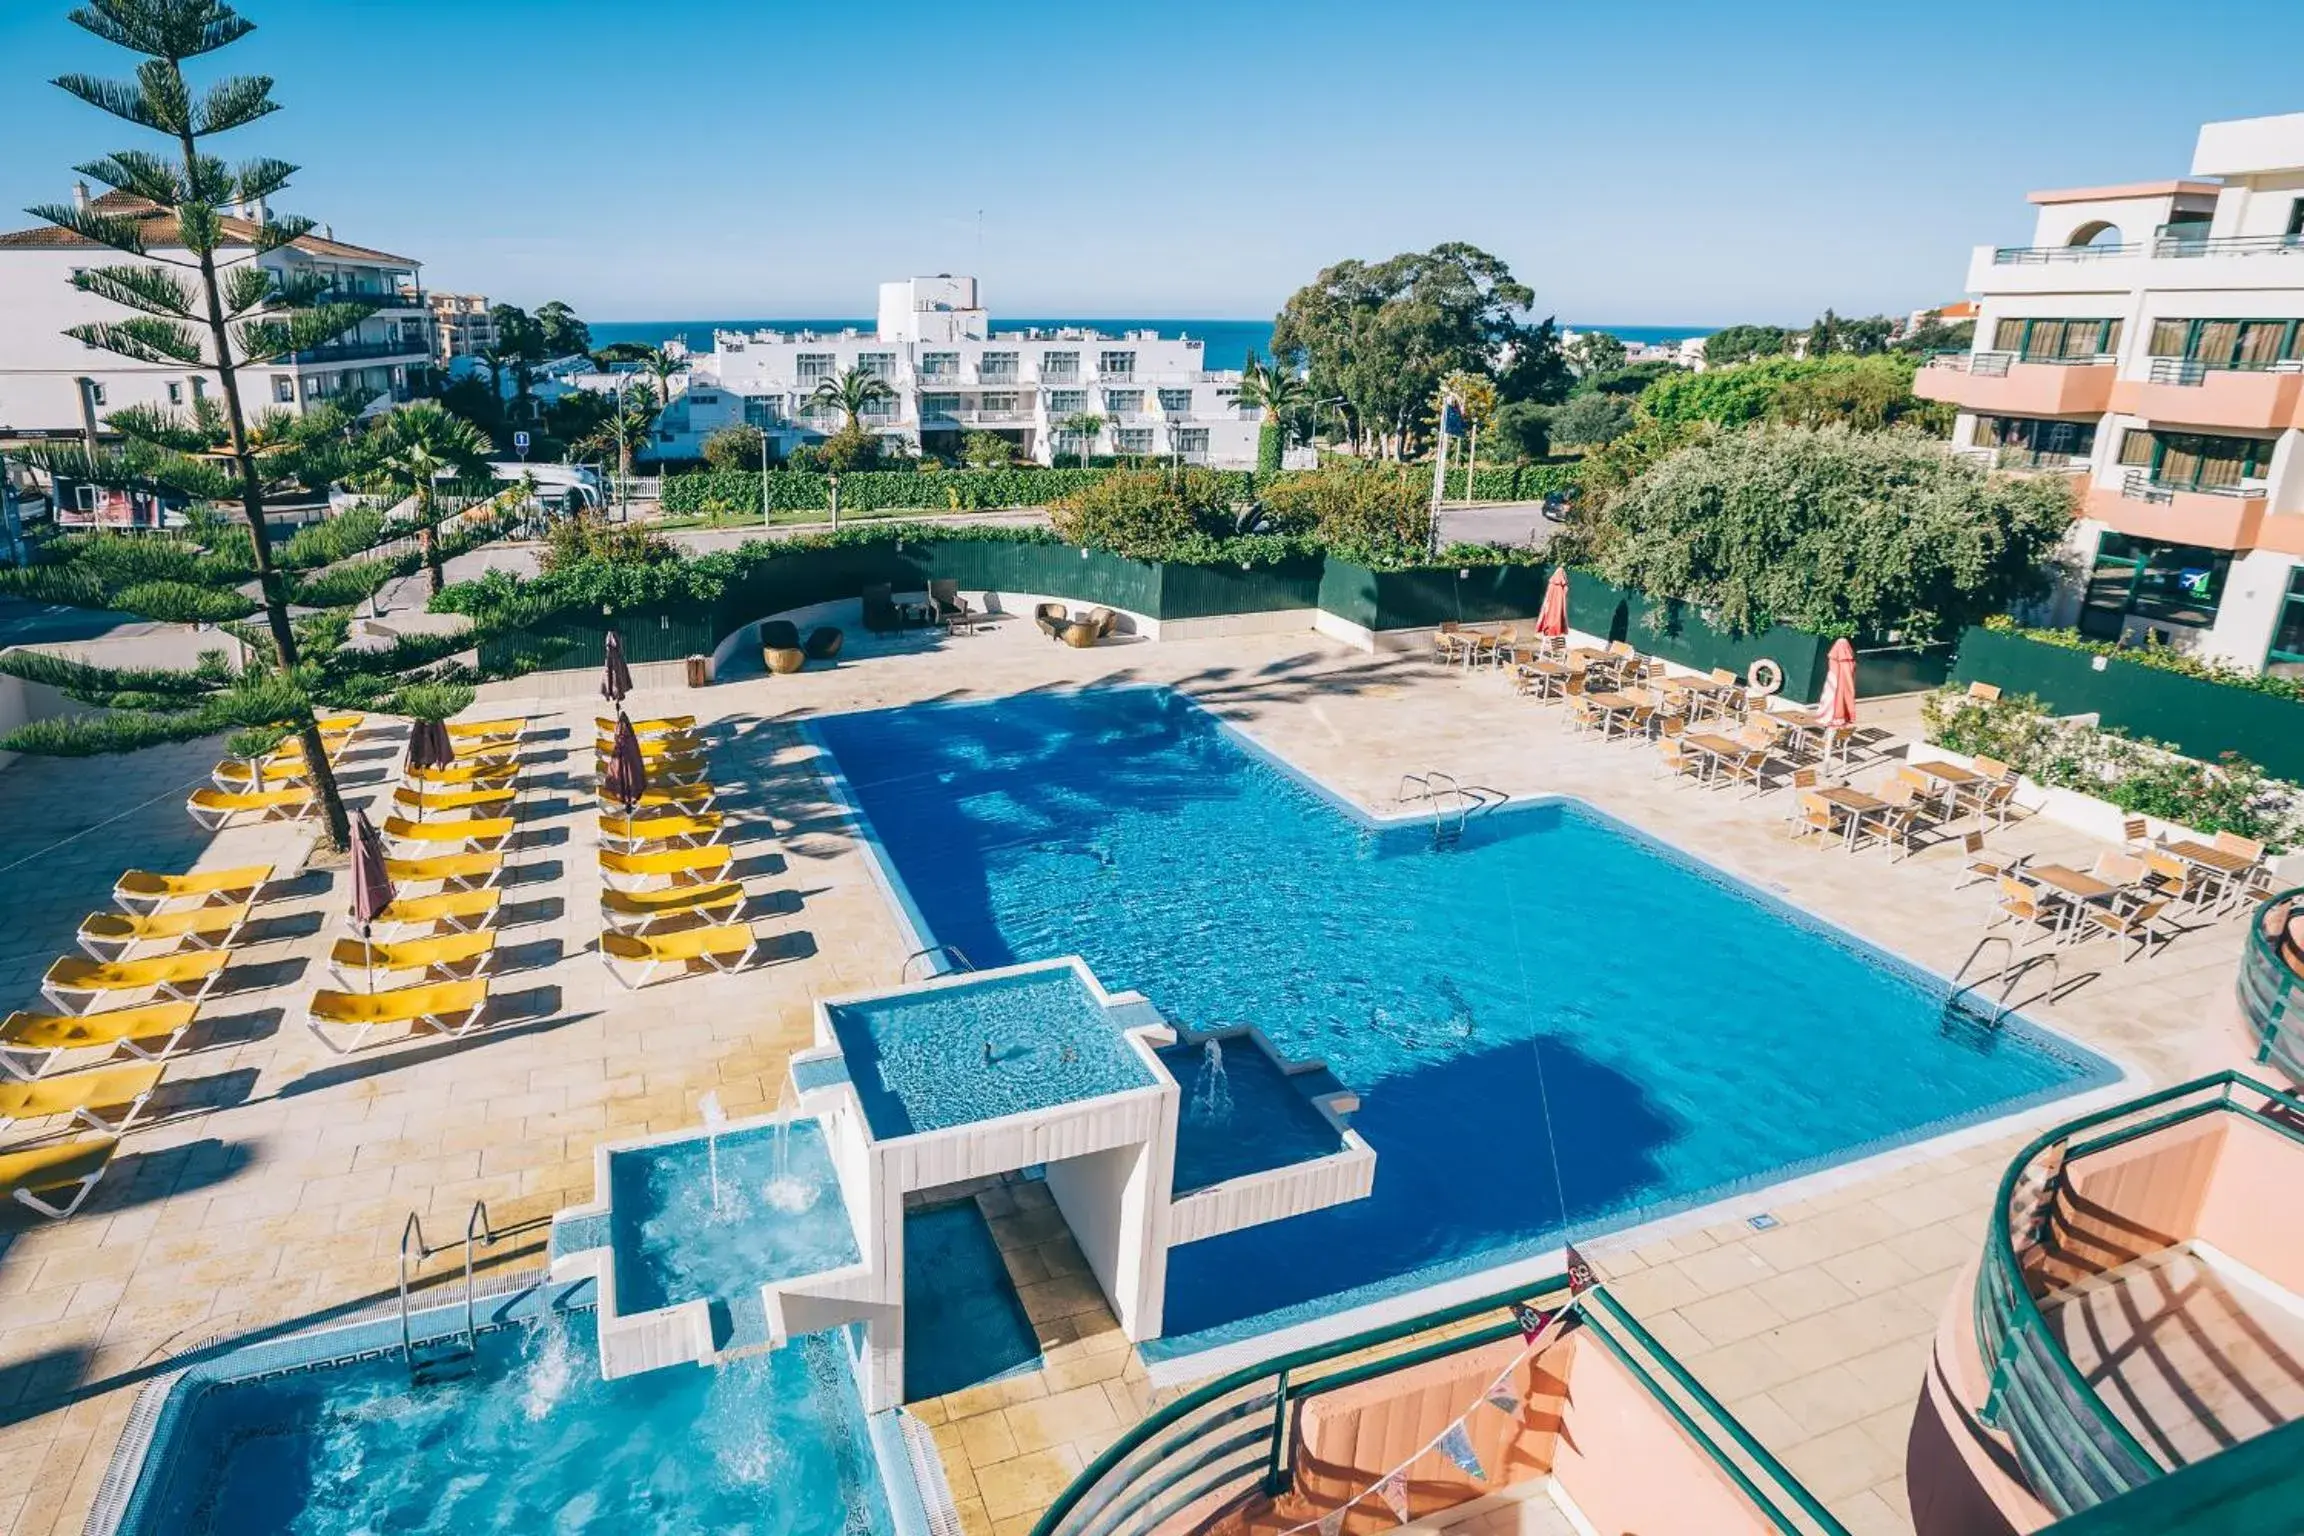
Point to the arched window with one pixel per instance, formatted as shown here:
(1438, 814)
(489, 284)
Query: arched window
(2095, 232)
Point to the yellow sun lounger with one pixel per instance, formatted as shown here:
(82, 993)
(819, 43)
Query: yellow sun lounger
(451, 1007)
(678, 744)
(234, 776)
(485, 834)
(437, 957)
(634, 831)
(42, 1037)
(420, 799)
(122, 1092)
(460, 871)
(332, 742)
(646, 728)
(635, 960)
(461, 911)
(694, 800)
(183, 977)
(686, 769)
(476, 770)
(464, 730)
(212, 808)
(638, 911)
(704, 864)
(36, 1174)
(140, 888)
(110, 935)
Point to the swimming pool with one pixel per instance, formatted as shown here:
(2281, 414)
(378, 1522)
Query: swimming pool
(530, 1440)
(1556, 1026)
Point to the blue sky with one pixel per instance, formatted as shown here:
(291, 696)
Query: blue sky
(1658, 163)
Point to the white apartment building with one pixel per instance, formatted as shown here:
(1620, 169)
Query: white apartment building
(461, 325)
(2149, 343)
(52, 385)
(952, 374)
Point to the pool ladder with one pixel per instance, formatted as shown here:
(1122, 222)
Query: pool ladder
(959, 962)
(478, 1233)
(1451, 804)
(2011, 974)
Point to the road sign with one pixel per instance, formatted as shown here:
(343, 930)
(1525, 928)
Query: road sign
(520, 444)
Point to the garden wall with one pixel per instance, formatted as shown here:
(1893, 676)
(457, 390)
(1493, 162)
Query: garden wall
(2197, 717)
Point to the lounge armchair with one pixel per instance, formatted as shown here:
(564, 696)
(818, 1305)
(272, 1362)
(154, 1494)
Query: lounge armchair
(947, 607)
(697, 865)
(421, 800)
(106, 1099)
(184, 977)
(476, 770)
(36, 1174)
(30, 1043)
(454, 1008)
(638, 911)
(212, 808)
(111, 935)
(825, 642)
(230, 887)
(443, 957)
(465, 911)
(460, 871)
(780, 647)
(663, 725)
(881, 615)
(484, 834)
(1051, 617)
(691, 831)
(635, 960)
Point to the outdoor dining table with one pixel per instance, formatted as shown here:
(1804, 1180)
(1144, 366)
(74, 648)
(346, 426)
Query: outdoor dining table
(2077, 885)
(2220, 864)
(1856, 803)
(1714, 749)
(1547, 675)
(1699, 691)
(1611, 705)
(1950, 779)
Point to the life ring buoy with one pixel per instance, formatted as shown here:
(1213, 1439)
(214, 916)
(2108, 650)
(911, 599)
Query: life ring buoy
(1764, 676)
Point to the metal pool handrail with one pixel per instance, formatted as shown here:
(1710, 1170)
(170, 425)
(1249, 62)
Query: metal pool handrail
(1230, 1436)
(2072, 1448)
(2271, 993)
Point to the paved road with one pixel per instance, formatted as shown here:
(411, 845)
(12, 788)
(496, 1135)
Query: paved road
(1517, 523)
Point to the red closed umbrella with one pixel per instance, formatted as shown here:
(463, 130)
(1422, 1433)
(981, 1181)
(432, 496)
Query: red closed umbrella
(1552, 618)
(627, 777)
(1838, 705)
(371, 883)
(616, 679)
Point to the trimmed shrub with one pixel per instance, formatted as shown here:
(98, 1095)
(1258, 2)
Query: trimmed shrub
(925, 490)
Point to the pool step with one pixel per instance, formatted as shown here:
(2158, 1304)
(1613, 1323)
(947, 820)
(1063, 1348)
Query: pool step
(441, 1360)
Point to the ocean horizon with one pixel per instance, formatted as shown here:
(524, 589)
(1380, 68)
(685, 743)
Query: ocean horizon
(1228, 341)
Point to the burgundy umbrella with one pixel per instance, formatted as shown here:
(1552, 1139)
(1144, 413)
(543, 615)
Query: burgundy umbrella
(627, 777)
(616, 681)
(371, 884)
(429, 746)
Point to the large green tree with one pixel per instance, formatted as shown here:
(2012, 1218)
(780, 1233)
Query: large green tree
(198, 229)
(1831, 530)
(562, 333)
(1742, 343)
(419, 446)
(1382, 335)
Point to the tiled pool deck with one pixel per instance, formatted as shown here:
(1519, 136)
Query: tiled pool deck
(272, 1193)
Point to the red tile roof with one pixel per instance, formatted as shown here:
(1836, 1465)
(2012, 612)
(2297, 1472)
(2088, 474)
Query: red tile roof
(160, 232)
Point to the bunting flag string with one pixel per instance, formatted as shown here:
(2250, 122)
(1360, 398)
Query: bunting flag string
(1454, 1442)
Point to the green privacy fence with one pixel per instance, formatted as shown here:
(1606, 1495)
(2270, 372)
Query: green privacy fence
(2197, 717)
(582, 643)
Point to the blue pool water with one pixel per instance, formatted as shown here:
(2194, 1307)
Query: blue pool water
(531, 1442)
(1248, 1117)
(963, 1321)
(673, 1241)
(934, 1060)
(1554, 982)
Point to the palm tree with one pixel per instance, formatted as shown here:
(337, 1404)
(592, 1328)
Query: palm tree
(625, 428)
(664, 366)
(1282, 395)
(421, 443)
(1082, 426)
(850, 394)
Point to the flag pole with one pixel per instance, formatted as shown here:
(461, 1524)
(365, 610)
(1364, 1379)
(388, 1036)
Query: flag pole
(1439, 474)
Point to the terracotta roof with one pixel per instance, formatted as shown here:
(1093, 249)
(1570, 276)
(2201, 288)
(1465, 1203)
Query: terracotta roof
(1964, 310)
(2132, 189)
(160, 232)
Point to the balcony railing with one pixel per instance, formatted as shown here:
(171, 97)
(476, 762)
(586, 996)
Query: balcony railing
(2191, 372)
(363, 351)
(2271, 990)
(2074, 1451)
(2138, 485)
(379, 297)
(2022, 459)
(1116, 375)
(2166, 246)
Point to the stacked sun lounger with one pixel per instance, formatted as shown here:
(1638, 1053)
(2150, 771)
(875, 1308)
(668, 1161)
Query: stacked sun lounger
(423, 961)
(145, 970)
(275, 787)
(669, 902)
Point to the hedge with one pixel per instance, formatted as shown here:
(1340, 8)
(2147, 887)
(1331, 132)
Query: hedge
(1515, 482)
(792, 490)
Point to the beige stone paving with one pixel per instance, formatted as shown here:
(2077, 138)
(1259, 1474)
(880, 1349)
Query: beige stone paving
(273, 1196)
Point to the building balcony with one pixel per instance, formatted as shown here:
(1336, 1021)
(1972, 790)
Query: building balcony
(2220, 518)
(384, 299)
(2137, 1311)
(365, 351)
(2181, 393)
(2002, 384)
(2024, 461)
